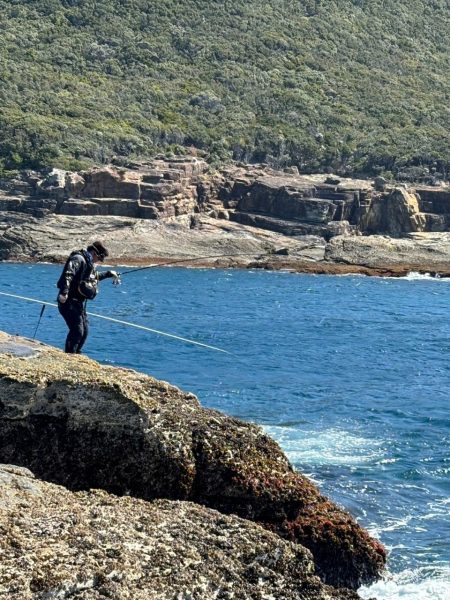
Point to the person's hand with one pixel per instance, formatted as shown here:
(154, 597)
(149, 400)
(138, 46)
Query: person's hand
(62, 297)
(115, 277)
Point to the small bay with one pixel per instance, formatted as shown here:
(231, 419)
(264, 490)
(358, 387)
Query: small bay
(351, 375)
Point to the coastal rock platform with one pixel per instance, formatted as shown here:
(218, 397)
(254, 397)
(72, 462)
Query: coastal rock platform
(79, 424)
(247, 216)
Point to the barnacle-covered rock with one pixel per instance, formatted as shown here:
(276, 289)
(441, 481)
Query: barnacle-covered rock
(92, 545)
(75, 422)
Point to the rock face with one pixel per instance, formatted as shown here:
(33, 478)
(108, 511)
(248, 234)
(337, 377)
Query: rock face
(297, 204)
(395, 213)
(74, 422)
(45, 215)
(58, 544)
(158, 189)
(279, 201)
(290, 203)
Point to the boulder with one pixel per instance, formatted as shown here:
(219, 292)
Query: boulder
(54, 180)
(59, 544)
(394, 213)
(77, 423)
(380, 184)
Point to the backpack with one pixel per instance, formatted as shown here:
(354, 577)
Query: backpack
(84, 283)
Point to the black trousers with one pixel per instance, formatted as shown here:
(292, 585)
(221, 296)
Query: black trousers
(74, 314)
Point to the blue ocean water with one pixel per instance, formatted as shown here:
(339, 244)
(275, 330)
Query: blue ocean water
(350, 374)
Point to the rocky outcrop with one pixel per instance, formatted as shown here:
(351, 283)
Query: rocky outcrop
(289, 202)
(394, 213)
(296, 204)
(169, 209)
(130, 241)
(157, 189)
(435, 205)
(77, 423)
(286, 202)
(58, 544)
(423, 252)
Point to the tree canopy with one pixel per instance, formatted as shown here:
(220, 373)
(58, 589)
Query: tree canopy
(357, 86)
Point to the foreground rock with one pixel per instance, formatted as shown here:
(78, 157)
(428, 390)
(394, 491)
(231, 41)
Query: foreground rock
(75, 422)
(88, 545)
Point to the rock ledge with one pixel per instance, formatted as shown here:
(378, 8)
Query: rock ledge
(83, 425)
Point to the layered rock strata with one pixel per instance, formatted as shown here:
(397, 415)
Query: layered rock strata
(287, 202)
(83, 425)
(92, 545)
(152, 190)
(174, 208)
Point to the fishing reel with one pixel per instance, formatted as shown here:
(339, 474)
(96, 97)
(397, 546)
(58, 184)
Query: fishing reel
(116, 278)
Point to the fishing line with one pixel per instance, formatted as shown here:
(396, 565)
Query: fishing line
(157, 331)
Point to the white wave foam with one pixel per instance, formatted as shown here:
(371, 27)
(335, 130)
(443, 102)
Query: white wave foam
(433, 511)
(424, 583)
(415, 276)
(332, 446)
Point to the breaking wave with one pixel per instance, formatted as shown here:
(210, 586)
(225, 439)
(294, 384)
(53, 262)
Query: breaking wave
(425, 583)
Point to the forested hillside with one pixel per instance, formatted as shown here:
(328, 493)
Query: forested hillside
(356, 85)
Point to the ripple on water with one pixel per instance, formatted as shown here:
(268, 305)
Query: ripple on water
(350, 375)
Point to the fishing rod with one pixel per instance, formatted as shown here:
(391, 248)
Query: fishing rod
(157, 331)
(182, 260)
(38, 323)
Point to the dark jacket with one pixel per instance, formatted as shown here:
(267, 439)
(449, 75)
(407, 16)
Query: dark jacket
(79, 278)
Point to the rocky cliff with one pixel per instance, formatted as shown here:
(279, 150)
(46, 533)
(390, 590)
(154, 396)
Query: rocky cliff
(176, 208)
(77, 423)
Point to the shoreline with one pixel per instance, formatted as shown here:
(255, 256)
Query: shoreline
(287, 266)
(177, 212)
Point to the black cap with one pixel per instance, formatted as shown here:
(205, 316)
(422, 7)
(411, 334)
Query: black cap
(99, 250)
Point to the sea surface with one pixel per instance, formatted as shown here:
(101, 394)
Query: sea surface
(350, 374)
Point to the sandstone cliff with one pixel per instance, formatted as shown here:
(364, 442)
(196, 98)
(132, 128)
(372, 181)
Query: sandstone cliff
(175, 208)
(83, 425)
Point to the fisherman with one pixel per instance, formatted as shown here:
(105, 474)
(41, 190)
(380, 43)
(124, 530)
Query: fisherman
(77, 284)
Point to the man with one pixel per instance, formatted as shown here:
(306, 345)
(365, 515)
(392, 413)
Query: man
(77, 284)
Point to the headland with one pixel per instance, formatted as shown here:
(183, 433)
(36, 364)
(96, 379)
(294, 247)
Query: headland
(139, 490)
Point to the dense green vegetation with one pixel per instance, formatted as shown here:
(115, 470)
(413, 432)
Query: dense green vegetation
(353, 85)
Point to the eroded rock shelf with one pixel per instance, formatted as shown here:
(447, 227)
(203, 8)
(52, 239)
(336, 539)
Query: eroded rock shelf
(177, 208)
